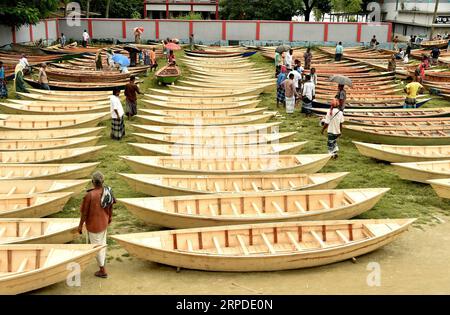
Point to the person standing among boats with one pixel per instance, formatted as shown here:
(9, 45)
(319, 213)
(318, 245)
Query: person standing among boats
(43, 79)
(62, 40)
(297, 78)
(333, 124)
(373, 42)
(153, 63)
(278, 63)
(308, 58)
(3, 86)
(19, 82)
(117, 113)
(280, 87)
(411, 90)
(341, 96)
(98, 61)
(395, 41)
(290, 93)
(339, 52)
(288, 59)
(131, 89)
(392, 64)
(86, 38)
(308, 95)
(24, 61)
(191, 41)
(313, 75)
(435, 53)
(96, 214)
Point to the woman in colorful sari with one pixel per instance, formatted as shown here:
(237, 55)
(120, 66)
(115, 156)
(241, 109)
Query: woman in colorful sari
(3, 88)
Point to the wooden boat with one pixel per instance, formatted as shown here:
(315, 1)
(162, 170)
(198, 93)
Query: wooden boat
(441, 187)
(266, 164)
(73, 155)
(28, 267)
(174, 185)
(32, 206)
(29, 145)
(253, 207)
(423, 171)
(203, 139)
(200, 100)
(48, 108)
(210, 130)
(204, 121)
(265, 246)
(399, 136)
(434, 43)
(205, 113)
(73, 86)
(49, 134)
(85, 76)
(216, 55)
(29, 187)
(168, 74)
(390, 113)
(212, 83)
(46, 171)
(70, 93)
(64, 98)
(164, 105)
(201, 94)
(217, 150)
(36, 122)
(223, 90)
(403, 153)
(38, 231)
(400, 122)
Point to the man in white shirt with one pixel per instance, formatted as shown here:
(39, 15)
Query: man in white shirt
(117, 116)
(85, 38)
(333, 123)
(24, 61)
(308, 93)
(288, 59)
(297, 78)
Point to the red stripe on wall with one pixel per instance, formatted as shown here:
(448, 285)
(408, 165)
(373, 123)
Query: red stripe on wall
(389, 33)
(13, 33)
(258, 29)
(57, 28)
(191, 27)
(145, 9)
(291, 31)
(224, 30)
(325, 32)
(217, 9)
(31, 33)
(157, 29)
(124, 29)
(46, 29)
(90, 30)
(358, 32)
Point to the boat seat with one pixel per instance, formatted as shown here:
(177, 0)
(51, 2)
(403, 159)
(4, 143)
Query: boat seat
(268, 244)
(342, 237)
(299, 206)
(22, 265)
(318, 239)
(294, 241)
(2, 231)
(377, 229)
(242, 244)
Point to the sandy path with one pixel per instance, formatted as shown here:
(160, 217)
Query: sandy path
(415, 263)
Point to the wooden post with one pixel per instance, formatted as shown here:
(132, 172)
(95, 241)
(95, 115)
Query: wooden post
(434, 18)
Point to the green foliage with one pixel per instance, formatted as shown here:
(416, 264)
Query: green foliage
(322, 7)
(24, 12)
(136, 15)
(346, 6)
(259, 9)
(190, 16)
(117, 9)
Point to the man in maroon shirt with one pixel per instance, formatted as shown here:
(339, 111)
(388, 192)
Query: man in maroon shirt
(131, 98)
(97, 217)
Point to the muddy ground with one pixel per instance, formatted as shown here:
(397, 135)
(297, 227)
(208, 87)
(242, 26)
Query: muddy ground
(416, 263)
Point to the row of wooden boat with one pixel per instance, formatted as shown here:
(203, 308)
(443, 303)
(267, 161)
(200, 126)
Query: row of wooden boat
(36, 122)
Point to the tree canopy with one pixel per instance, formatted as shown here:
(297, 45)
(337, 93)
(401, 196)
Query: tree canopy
(117, 8)
(259, 9)
(24, 12)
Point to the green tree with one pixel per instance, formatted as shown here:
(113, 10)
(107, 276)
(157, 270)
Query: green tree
(322, 7)
(259, 9)
(24, 12)
(117, 8)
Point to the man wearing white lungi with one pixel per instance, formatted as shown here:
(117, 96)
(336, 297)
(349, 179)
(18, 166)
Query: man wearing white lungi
(291, 93)
(96, 213)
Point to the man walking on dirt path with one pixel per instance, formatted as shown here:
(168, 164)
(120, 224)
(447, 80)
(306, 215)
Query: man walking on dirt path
(96, 213)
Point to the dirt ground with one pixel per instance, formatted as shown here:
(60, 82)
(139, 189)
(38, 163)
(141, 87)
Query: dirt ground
(416, 263)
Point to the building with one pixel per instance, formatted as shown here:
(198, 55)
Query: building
(409, 17)
(166, 9)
